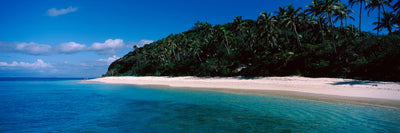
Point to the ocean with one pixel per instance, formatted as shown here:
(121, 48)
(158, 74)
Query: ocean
(68, 105)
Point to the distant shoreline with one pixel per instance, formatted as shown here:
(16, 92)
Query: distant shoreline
(325, 89)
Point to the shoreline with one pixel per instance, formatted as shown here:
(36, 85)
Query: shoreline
(321, 89)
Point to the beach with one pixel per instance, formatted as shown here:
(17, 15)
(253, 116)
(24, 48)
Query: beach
(371, 92)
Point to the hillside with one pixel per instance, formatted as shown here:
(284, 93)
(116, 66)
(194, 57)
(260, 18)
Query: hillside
(290, 41)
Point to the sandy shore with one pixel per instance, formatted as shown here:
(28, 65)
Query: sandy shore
(374, 92)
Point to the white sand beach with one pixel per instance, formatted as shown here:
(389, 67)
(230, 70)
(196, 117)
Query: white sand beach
(375, 92)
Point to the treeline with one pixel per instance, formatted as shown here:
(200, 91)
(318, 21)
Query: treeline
(290, 41)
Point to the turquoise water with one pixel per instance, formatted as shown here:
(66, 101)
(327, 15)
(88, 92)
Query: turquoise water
(66, 105)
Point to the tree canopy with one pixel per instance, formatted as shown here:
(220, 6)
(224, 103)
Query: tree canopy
(291, 41)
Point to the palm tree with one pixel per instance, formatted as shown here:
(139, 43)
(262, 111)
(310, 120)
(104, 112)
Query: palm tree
(377, 3)
(385, 3)
(396, 8)
(252, 36)
(195, 49)
(172, 44)
(343, 13)
(240, 27)
(386, 22)
(351, 31)
(352, 2)
(268, 27)
(279, 17)
(290, 19)
(330, 7)
(316, 9)
(396, 5)
(225, 35)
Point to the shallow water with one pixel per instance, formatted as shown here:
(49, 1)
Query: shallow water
(71, 106)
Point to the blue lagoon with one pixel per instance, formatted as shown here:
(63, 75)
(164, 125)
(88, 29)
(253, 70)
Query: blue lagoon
(68, 105)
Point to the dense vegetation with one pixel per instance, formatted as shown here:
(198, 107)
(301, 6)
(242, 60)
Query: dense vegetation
(290, 41)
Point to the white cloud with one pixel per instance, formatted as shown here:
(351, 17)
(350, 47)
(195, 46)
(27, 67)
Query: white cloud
(71, 47)
(42, 49)
(33, 48)
(144, 42)
(110, 46)
(139, 44)
(109, 60)
(38, 64)
(54, 12)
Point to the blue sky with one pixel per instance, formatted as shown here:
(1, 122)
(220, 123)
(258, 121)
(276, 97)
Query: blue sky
(80, 38)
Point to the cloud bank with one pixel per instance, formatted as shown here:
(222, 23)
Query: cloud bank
(144, 42)
(71, 47)
(38, 64)
(33, 48)
(109, 60)
(109, 47)
(56, 12)
(139, 44)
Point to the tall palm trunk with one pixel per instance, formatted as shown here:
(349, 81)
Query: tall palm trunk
(198, 56)
(344, 29)
(341, 25)
(242, 36)
(179, 57)
(297, 35)
(176, 55)
(322, 31)
(173, 51)
(383, 9)
(333, 35)
(287, 37)
(227, 45)
(379, 20)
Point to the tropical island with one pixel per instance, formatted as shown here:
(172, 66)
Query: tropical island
(263, 55)
(314, 42)
(287, 69)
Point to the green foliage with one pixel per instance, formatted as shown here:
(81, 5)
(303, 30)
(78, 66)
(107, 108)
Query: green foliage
(289, 43)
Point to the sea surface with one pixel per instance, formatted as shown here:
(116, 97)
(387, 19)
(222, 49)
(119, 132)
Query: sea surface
(68, 105)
